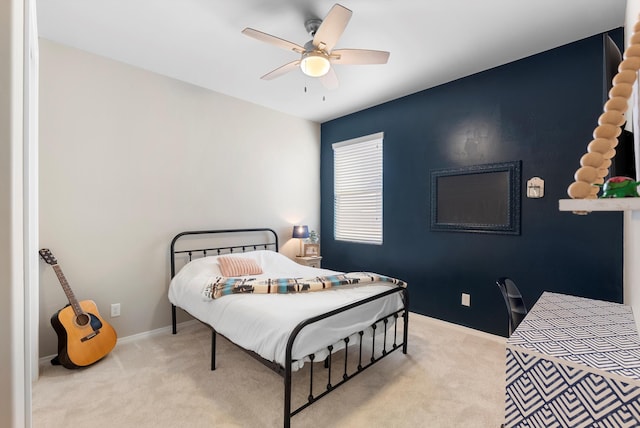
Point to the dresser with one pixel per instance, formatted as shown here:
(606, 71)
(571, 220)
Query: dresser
(573, 362)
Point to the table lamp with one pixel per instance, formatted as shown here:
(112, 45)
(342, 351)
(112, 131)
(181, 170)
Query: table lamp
(301, 232)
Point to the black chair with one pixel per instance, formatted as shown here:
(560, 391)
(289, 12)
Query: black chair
(513, 299)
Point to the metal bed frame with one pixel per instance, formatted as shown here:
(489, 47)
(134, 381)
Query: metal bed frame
(363, 362)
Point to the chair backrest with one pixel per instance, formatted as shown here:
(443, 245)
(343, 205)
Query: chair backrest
(516, 307)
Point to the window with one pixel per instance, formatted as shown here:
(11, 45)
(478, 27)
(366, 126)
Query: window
(357, 175)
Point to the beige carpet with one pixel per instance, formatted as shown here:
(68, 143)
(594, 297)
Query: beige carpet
(451, 377)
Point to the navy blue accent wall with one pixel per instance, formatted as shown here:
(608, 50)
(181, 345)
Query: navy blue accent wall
(541, 110)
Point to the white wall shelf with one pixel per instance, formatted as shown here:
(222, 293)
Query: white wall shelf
(606, 204)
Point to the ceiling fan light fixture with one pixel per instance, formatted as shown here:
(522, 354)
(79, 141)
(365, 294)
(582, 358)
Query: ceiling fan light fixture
(315, 64)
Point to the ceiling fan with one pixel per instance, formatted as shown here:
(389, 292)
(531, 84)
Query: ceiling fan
(317, 55)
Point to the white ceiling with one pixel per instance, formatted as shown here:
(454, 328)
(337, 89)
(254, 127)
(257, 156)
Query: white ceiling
(431, 42)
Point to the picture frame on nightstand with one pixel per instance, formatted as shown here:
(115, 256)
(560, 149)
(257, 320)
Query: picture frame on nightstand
(311, 250)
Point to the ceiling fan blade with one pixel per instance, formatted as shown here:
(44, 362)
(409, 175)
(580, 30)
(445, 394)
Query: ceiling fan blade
(330, 80)
(277, 41)
(281, 70)
(332, 27)
(358, 56)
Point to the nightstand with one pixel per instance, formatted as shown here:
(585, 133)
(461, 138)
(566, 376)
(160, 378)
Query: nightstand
(311, 261)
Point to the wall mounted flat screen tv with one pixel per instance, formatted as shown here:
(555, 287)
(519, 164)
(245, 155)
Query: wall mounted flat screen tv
(479, 198)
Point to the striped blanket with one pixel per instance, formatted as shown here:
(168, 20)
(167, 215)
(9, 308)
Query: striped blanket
(223, 286)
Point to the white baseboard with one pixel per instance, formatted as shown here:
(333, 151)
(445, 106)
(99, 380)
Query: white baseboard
(156, 332)
(468, 330)
(128, 339)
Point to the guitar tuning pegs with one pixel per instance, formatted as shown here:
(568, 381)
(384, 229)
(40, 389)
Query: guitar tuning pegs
(46, 255)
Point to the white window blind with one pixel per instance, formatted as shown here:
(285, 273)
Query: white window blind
(357, 174)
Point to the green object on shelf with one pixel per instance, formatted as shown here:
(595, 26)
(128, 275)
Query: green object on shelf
(620, 187)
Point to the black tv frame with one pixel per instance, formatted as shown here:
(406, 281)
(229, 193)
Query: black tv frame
(479, 198)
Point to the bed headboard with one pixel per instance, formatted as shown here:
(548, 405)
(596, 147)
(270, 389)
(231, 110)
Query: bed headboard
(202, 243)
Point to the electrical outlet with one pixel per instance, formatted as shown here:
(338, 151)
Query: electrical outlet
(115, 310)
(466, 299)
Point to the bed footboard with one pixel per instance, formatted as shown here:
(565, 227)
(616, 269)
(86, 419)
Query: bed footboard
(364, 362)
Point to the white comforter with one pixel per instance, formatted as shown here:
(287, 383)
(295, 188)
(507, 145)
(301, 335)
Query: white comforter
(263, 322)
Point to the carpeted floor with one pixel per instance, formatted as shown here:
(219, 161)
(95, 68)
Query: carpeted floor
(451, 377)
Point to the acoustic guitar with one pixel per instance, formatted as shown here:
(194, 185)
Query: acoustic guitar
(83, 336)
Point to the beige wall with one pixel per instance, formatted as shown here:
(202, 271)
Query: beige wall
(129, 158)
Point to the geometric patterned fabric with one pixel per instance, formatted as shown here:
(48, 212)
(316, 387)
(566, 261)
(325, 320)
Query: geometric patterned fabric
(573, 362)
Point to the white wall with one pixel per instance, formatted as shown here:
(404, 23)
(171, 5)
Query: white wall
(14, 389)
(129, 158)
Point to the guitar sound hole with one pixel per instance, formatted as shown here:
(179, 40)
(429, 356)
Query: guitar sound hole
(83, 319)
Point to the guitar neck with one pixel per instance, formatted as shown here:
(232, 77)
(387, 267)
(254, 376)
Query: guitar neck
(67, 290)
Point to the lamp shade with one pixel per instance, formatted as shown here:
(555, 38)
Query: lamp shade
(300, 231)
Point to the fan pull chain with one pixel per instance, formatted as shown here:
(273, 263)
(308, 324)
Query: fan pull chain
(305, 91)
